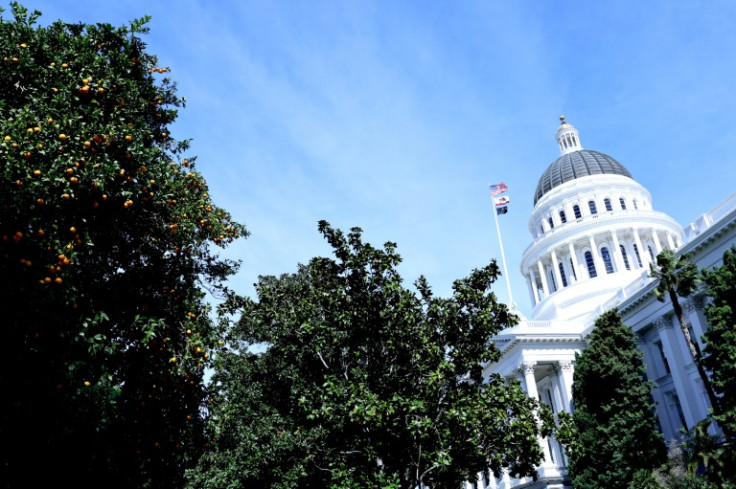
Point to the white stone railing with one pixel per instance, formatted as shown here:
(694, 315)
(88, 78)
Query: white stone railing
(722, 209)
(707, 220)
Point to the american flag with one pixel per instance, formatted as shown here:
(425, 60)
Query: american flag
(498, 188)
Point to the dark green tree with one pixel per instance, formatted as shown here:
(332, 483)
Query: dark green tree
(720, 338)
(719, 358)
(338, 376)
(612, 440)
(678, 277)
(106, 244)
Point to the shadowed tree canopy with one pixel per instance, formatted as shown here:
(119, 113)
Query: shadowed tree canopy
(106, 244)
(720, 339)
(339, 376)
(611, 437)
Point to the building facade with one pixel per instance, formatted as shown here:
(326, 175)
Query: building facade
(595, 233)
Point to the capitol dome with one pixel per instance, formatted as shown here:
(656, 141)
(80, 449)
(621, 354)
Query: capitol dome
(576, 164)
(595, 232)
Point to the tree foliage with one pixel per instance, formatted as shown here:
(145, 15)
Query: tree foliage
(678, 277)
(720, 338)
(612, 439)
(107, 234)
(338, 376)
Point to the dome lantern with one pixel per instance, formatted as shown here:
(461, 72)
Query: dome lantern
(567, 137)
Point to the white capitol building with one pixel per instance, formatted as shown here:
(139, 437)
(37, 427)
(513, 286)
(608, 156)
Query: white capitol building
(595, 231)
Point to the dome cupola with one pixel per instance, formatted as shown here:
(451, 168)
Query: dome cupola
(575, 162)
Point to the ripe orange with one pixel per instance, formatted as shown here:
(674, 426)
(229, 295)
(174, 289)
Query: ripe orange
(128, 138)
(37, 172)
(87, 144)
(62, 137)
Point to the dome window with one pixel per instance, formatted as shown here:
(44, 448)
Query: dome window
(636, 205)
(625, 257)
(551, 223)
(576, 210)
(607, 259)
(572, 270)
(592, 207)
(562, 274)
(563, 219)
(651, 253)
(607, 203)
(638, 256)
(622, 202)
(591, 265)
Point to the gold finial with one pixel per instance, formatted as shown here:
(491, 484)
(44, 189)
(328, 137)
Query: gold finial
(562, 119)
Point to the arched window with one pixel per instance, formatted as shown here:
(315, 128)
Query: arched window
(563, 218)
(607, 259)
(562, 274)
(576, 210)
(607, 203)
(591, 264)
(625, 257)
(551, 223)
(572, 270)
(552, 280)
(623, 203)
(651, 253)
(636, 205)
(638, 257)
(593, 209)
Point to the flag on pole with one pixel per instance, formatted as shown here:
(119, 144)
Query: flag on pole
(498, 188)
(501, 201)
(501, 204)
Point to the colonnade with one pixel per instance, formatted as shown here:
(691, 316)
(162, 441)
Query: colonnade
(554, 388)
(605, 252)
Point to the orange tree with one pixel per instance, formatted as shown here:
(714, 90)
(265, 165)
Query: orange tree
(107, 244)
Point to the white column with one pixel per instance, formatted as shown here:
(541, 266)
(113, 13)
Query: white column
(678, 372)
(565, 375)
(556, 270)
(600, 268)
(669, 241)
(645, 261)
(617, 253)
(533, 287)
(657, 244)
(575, 264)
(543, 278)
(527, 369)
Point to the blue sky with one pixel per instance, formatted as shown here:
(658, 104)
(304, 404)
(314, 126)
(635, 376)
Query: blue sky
(396, 115)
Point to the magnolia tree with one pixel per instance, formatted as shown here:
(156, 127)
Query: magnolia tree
(107, 236)
(339, 376)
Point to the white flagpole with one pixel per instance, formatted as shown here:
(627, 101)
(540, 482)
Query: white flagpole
(503, 256)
